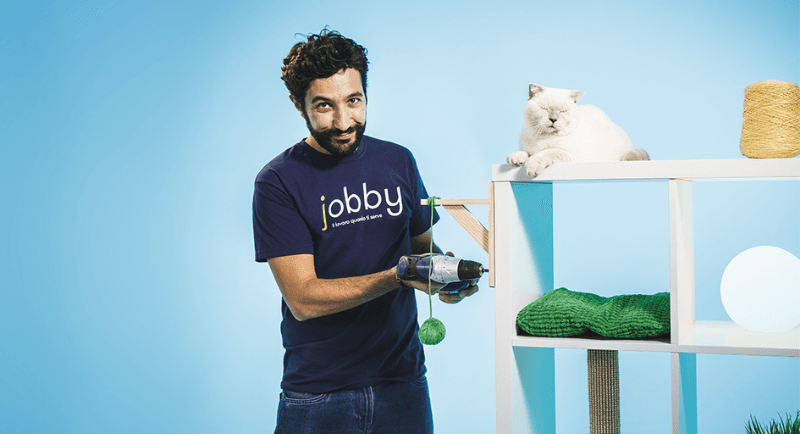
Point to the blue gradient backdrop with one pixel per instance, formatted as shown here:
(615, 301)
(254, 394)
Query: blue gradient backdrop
(131, 132)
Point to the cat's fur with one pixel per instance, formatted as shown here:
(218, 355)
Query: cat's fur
(558, 130)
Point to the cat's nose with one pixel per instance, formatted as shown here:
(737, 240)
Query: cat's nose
(553, 120)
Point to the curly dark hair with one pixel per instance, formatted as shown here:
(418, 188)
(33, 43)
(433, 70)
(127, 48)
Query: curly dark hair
(322, 56)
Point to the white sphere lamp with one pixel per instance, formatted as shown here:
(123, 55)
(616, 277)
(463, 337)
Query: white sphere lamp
(760, 289)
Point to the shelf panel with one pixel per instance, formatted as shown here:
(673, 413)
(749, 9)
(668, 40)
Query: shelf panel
(725, 337)
(707, 337)
(593, 343)
(654, 170)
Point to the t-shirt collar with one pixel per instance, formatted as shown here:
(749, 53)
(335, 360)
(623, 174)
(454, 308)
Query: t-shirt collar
(319, 156)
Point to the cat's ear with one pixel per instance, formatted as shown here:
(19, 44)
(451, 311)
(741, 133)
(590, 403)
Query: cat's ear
(576, 95)
(533, 89)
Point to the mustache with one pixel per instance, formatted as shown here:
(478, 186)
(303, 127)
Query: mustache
(338, 132)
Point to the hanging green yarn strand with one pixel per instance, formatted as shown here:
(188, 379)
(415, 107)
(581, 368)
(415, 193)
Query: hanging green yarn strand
(431, 204)
(432, 331)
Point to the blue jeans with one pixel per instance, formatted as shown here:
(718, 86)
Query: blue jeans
(402, 408)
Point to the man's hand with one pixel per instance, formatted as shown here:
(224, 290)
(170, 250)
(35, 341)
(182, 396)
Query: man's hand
(460, 295)
(421, 245)
(423, 286)
(446, 297)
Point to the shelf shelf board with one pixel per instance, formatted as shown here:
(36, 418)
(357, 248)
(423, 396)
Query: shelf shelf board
(594, 343)
(725, 337)
(656, 170)
(705, 337)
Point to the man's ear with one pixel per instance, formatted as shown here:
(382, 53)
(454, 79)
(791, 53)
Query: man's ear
(297, 104)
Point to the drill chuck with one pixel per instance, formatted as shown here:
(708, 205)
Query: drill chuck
(468, 270)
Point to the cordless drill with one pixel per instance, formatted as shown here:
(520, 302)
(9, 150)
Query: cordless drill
(456, 273)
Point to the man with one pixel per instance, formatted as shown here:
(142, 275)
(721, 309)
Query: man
(332, 215)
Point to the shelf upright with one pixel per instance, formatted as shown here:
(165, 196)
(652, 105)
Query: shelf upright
(523, 224)
(682, 318)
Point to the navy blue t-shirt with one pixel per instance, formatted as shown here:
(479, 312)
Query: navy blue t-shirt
(356, 215)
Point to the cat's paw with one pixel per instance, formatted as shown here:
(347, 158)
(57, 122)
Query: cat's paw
(518, 158)
(542, 160)
(535, 165)
(635, 155)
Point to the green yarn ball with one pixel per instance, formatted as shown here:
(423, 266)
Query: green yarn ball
(431, 332)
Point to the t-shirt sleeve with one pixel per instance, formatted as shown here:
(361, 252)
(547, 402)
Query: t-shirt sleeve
(421, 214)
(278, 227)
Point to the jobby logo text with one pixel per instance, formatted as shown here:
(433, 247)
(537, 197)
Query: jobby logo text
(353, 203)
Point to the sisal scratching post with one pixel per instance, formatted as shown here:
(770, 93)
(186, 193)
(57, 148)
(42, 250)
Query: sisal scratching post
(603, 391)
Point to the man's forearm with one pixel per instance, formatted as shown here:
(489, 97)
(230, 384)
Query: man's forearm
(310, 297)
(320, 297)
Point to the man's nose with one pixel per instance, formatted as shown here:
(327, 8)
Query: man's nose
(341, 120)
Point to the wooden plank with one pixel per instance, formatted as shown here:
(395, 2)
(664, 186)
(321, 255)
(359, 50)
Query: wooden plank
(491, 236)
(470, 224)
(484, 237)
(441, 202)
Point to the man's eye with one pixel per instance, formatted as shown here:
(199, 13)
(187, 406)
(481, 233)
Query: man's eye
(355, 100)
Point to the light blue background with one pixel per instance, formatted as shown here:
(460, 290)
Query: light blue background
(131, 132)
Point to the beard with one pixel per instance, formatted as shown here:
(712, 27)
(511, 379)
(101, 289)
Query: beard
(338, 148)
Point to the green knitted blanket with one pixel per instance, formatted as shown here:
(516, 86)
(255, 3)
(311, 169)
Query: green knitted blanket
(562, 313)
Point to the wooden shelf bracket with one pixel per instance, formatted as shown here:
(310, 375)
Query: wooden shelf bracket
(484, 237)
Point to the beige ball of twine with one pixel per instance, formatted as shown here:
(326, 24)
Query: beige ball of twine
(771, 120)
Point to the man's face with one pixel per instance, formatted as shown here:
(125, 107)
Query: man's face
(335, 110)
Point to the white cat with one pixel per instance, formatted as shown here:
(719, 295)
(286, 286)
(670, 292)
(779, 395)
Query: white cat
(557, 130)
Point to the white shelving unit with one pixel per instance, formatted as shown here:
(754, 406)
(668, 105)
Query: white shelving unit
(522, 239)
